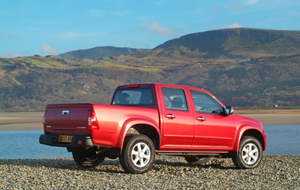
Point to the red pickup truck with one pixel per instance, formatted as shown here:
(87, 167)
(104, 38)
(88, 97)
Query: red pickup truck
(143, 120)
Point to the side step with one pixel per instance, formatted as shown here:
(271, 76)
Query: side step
(192, 153)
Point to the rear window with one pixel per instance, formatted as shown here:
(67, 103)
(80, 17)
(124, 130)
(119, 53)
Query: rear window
(133, 96)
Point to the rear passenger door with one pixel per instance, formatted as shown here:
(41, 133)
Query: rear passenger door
(177, 119)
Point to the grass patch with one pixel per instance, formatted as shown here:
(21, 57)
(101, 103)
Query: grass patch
(44, 63)
(146, 68)
(15, 80)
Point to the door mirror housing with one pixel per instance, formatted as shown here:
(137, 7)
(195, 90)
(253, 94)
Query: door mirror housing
(229, 110)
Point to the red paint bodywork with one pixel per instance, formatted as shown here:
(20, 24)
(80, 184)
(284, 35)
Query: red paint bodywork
(183, 133)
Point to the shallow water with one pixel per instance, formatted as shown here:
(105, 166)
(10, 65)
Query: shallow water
(25, 144)
(281, 140)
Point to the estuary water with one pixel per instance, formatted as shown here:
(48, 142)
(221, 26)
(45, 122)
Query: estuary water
(24, 144)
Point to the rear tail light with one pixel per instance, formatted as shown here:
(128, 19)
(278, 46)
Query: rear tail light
(92, 120)
(44, 122)
(44, 118)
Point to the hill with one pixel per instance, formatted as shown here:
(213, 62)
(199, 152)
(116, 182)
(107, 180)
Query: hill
(215, 44)
(98, 53)
(241, 42)
(252, 79)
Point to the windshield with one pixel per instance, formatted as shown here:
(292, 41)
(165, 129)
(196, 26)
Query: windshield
(133, 96)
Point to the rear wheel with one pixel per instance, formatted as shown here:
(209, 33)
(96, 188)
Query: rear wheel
(197, 160)
(249, 154)
(138, 154)
(88, 159)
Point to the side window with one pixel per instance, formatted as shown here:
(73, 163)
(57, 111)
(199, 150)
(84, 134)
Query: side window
(205, 104)
(174, 99)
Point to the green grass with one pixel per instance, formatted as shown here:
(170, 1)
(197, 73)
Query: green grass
(145, 68)
(15, 80)
(57, 64)
(44, 63)
(233, 67)
(290, 91)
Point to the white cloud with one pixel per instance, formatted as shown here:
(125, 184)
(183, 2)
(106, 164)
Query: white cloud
(9, 35)
(240, 6)
(236, 6)
(10, 54)
(158, 2)
(234, 25)
(45, 48)
(251, 2)
(157, 28)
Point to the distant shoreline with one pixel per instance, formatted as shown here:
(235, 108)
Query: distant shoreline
(21, 121)
(33, 120)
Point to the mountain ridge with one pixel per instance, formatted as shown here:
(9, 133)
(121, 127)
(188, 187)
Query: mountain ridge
(237, 42)
(99, 52)
(238, 78)
(238, 39)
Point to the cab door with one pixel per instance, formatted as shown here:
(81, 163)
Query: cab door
(213, 129)
(177, 123)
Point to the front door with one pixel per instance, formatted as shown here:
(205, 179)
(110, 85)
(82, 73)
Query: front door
(213, 130)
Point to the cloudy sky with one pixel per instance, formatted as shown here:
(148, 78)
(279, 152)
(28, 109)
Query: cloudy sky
(29, 27)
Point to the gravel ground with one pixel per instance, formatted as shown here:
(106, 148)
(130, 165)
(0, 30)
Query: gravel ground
(275, 172)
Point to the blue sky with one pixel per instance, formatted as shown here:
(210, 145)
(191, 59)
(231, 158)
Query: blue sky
(29, 27)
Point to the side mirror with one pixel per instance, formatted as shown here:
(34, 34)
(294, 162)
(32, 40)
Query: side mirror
(229, 110)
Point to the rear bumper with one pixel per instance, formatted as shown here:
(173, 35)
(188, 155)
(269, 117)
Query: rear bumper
(77, 141)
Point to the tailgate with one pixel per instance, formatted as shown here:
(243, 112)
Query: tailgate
(67, 118)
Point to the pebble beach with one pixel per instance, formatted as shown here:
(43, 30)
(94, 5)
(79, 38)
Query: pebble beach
(274, 172)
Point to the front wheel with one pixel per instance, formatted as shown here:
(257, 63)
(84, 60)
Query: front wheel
(249, 154)
(88, 159)
(138, 154)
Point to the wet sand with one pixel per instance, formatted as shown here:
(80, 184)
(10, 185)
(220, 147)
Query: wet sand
(21, 121)
(276, 119)
(33, 120)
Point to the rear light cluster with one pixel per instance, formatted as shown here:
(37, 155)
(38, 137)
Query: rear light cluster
(44, 119)
(92, 121)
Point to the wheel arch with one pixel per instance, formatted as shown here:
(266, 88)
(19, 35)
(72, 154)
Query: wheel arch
(248, 131)
(147, 128)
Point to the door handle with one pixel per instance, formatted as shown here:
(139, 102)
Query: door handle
(200, 118)
(170, 116)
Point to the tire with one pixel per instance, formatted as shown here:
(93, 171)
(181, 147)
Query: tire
(250, 153)
(195, 160)
(88, 159)
(138, 154)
